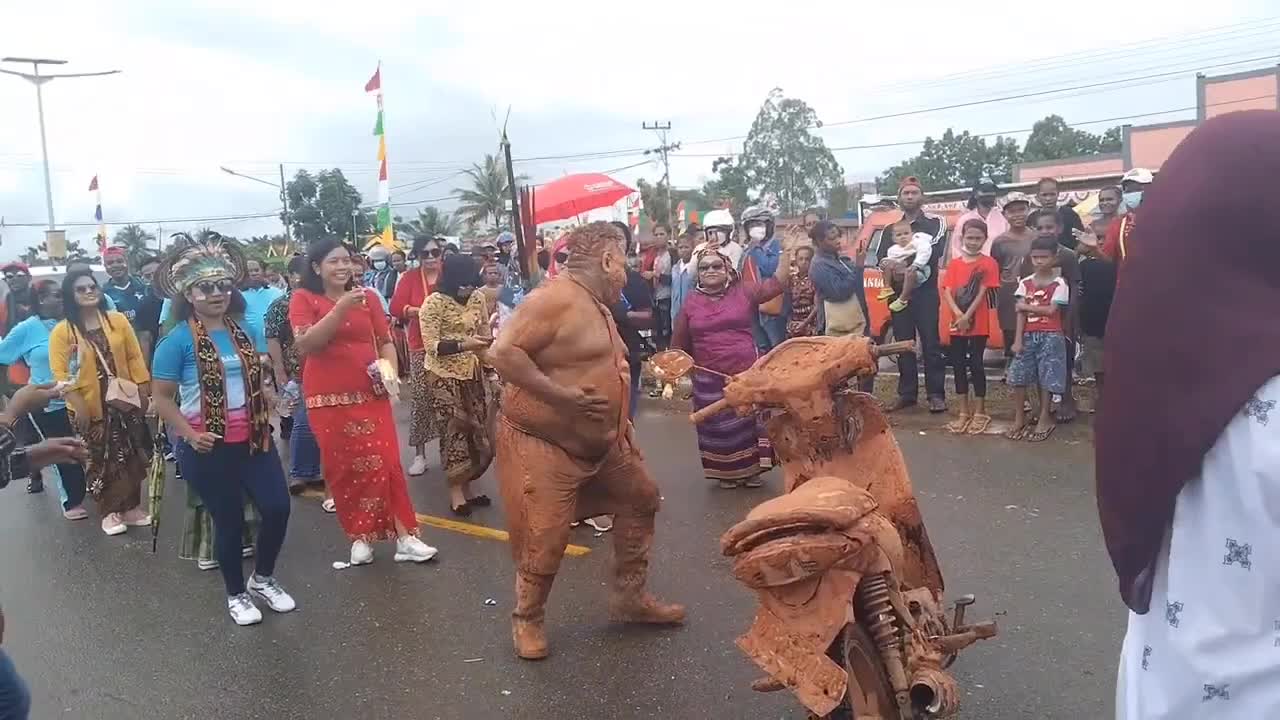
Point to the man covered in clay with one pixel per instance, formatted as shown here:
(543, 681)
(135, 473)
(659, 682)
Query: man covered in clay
(564, 445)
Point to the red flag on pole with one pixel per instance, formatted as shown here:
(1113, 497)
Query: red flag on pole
(93, 184)
(375, 82)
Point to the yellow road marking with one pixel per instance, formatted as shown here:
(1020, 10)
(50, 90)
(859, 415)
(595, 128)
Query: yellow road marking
(487, 532)
(464, 528)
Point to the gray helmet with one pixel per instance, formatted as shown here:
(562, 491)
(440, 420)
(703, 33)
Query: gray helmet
(758, 214)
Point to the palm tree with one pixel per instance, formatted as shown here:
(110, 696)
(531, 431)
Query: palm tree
(136, 242)
(431, 220)
(486, 201)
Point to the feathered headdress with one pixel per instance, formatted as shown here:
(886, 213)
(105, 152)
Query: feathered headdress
(189, 261)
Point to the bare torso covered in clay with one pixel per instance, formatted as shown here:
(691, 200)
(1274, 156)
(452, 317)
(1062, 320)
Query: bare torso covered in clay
(571, 337)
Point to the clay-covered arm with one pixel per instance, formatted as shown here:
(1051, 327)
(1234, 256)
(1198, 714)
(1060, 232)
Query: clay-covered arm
(529, 331)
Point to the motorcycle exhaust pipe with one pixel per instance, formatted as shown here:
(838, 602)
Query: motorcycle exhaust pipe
(934, 693)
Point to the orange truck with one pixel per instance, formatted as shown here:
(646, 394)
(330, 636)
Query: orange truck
(879, 317)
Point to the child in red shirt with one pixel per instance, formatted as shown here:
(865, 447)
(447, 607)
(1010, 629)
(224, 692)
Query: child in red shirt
(1039, 346)
(968, 289)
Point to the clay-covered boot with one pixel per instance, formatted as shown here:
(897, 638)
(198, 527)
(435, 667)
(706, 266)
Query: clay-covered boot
(629, 603)
(527, 631)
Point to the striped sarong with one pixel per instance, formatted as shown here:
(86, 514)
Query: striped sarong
(732, 447)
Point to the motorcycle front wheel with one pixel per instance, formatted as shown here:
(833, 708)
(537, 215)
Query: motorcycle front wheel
(869, 694)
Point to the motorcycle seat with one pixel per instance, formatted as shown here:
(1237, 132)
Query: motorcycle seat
(820, 505)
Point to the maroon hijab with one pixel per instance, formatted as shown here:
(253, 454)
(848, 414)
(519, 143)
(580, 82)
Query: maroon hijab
(1194, 331)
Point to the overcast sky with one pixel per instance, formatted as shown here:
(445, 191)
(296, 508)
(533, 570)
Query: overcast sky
(252, 83)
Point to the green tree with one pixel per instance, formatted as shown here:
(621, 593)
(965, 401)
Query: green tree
(954, 161)
(487, 202)
(322, 206)
(431, 220)
(136, 242)
(728, 188)
(781, 156)
(1052, 139)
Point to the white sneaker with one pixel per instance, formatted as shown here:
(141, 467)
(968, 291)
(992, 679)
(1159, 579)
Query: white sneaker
(269, 590)
(242, 609)
(207, 564)
(361, 553)
(419, 465)
(601, 523)
(411, 549)
(113, 524)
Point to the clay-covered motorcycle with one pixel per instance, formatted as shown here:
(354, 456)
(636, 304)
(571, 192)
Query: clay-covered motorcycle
(851, 615)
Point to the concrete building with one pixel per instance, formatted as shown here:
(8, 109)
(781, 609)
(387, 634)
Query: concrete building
(1148, 146)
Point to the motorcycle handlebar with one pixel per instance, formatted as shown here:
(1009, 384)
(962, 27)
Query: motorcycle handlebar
(706, 412)
(895, 348)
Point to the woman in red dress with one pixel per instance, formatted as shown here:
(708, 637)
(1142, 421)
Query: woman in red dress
(413, 289)
(341, 332)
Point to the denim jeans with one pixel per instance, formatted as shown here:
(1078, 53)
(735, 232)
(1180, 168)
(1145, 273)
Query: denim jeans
(15, 698)
(304, 464)
(221, 477)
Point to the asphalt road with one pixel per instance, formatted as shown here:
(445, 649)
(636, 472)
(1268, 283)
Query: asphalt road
(104, 630)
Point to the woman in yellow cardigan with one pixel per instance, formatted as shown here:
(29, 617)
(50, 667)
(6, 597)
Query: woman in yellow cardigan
(119, 443)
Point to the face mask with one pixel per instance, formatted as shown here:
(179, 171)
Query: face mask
(1133, 199)
(757, 232)
(379, 264)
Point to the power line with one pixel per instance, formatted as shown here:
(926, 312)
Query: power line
(1006, 98)
(1004, 133)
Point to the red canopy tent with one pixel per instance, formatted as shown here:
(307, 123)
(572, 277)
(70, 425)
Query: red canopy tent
(576, 194)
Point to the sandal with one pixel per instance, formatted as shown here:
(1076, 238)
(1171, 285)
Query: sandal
(979, 424)
(480, 501)
(1041, 435)
(329, 505)
(1016, 433)
(960, 425)
(463, 510)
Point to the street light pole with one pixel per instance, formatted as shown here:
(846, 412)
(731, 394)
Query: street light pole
(35, 78)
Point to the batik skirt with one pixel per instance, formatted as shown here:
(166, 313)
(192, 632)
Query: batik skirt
(423, 426)
(360, 453)
(732, 447)
(197, 529)
(463, 410)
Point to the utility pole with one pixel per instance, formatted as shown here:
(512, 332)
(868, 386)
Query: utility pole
(35, 78)
(662, 129)
(284, 203)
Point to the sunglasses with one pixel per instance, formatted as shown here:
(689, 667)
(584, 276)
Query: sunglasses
(433, 252)
(711, 267)
(209, 287)
(86, 289)
(12, 275)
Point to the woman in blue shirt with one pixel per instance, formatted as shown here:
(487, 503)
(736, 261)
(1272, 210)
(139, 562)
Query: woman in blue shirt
(28, 341)
(209, 360)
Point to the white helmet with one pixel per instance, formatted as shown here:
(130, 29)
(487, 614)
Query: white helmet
(718, 218)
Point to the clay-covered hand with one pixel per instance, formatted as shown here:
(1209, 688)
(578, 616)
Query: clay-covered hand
(585, 400)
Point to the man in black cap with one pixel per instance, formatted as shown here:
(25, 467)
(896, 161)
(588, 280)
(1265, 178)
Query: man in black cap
(982, 206)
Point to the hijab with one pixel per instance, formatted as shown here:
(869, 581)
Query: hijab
(1205, 222)
(457, 271)
(732, 275)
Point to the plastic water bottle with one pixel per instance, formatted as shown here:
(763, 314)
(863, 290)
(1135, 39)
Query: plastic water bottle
(289, 398)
